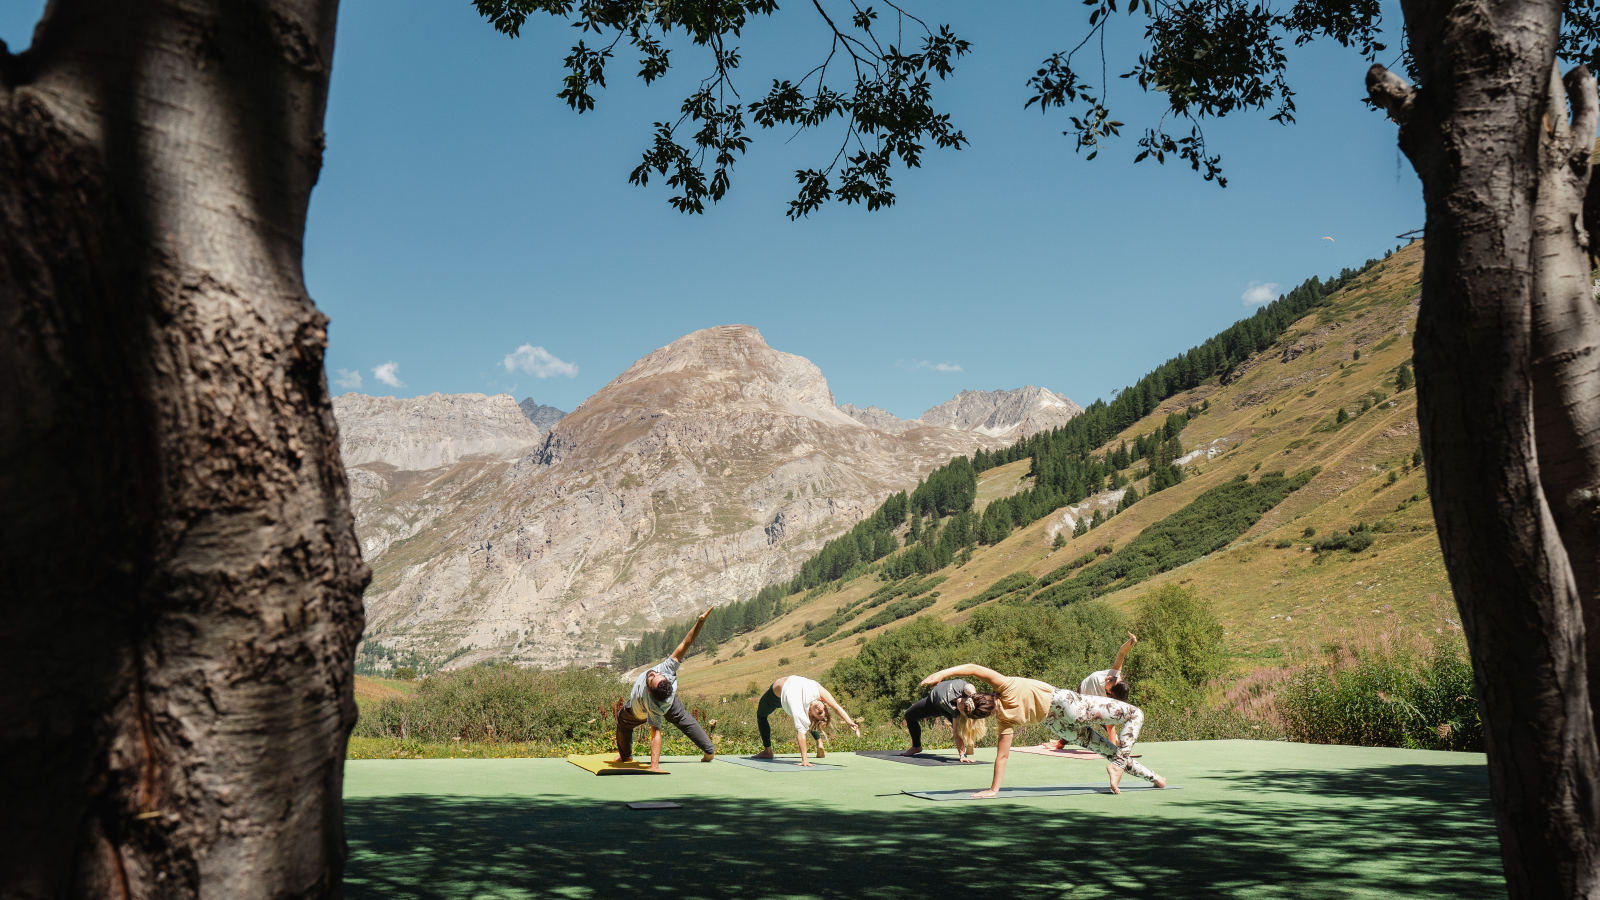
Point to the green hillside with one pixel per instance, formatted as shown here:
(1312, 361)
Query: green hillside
(1278, 411)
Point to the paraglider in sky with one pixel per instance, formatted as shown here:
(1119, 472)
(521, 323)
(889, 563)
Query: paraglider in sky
(1329, 239)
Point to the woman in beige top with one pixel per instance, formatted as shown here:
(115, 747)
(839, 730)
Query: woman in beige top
(1069, 714)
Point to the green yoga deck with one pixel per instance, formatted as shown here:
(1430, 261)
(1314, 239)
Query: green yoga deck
(1254, 819)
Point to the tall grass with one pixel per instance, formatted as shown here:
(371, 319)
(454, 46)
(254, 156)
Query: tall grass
(1386, 696)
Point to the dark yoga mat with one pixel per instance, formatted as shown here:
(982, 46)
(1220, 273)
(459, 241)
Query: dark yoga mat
(780, 764)
(1046, 790)
(921, 759)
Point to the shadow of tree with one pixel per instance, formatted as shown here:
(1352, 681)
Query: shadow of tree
(1390, 831)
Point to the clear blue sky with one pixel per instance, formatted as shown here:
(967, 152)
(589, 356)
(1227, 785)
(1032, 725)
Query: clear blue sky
(464, 212)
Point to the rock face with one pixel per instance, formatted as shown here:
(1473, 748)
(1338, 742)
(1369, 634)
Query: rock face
(1008, 414)
(432, 431)
(540, 415)
(709, 469)
(881, 419)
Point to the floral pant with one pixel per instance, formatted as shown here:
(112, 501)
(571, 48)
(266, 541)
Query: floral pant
(1078, 719)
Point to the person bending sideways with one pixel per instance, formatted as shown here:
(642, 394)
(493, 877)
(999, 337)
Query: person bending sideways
(959, 702)
(1068, 714)
(810, 706)
(654, 698)
(1108, 683)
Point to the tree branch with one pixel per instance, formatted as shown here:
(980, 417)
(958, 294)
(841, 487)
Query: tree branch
(1390, 92)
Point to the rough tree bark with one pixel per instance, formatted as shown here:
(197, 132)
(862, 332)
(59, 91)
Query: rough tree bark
(1505, 358)
(183, 577)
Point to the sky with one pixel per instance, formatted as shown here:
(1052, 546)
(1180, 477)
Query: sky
(470, 233)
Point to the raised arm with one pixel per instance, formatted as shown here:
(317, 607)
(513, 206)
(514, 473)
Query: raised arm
(968, 670)
(1122, 653)
(688, 639)
(828, 699)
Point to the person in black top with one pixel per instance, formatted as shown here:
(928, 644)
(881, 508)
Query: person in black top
(959, 702)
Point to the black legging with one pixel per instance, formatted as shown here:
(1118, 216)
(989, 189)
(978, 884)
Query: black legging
(676, 714)
(770, 704)
(916, 712)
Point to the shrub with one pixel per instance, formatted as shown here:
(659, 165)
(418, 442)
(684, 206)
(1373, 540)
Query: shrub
(498, 703)
(1180, 644)
(1355, 541)
(1284, 545)
(783, 660)
(1059, 541)
(764, 644)
(405, 673)
(1387, 698)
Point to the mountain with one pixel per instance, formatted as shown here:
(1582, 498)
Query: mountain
(707, 470)
(542, 416)
(1010, 414)
(881, 419)
(1275, 409)
(432, 431)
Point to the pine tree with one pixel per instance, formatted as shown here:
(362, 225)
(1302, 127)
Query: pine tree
(1059, 542)
(1341, 417)
(1404, 380)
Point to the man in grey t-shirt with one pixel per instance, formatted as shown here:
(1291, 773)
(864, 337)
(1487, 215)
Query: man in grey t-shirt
(654, 699)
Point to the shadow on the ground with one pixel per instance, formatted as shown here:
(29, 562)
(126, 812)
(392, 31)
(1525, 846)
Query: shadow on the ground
(1389, 831)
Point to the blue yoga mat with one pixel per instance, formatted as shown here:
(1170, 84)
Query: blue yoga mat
(778, 764)
(1044, 790)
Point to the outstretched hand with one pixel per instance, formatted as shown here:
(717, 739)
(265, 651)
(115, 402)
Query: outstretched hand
(1133, 638)
(931, 680)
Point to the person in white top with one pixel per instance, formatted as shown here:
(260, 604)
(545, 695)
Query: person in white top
(808, 704)
(1108, 683)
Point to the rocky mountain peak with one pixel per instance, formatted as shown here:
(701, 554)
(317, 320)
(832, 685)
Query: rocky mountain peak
(539, 414)
(419, 433)
(881, 419)
(731, 363)
(1015, 413)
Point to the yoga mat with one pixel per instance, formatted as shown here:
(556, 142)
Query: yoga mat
(1024, 793)
(655, 804)
(921, 759)
(780, 764)
(601, 764)
(1069, 753)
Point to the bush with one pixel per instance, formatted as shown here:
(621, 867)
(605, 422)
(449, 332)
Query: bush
(783, 660)
(1355, 541)
(498, 703)
(1180, 645)
(405, 673)
(764, 644)
(1388, 698)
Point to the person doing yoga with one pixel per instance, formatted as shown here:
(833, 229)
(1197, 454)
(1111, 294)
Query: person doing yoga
(808, 704)
(959, 702)
(1069, 714)
(655, 697)
(1108, 683)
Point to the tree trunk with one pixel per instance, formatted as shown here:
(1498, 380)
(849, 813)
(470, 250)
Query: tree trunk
(174, 519)
(1489, 140)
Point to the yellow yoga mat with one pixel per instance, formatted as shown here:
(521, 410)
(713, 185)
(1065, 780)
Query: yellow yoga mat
(601, 764)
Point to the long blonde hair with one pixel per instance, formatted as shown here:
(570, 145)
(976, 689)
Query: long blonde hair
(974, 724)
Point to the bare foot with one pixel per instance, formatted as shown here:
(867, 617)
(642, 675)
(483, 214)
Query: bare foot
(807, 764)
(1160, 782)
(765, 754)
(708, 757)
(657, 768)
(912, 752)
(1115, 771)
(984, 795)
(822, 753)
(622, 759)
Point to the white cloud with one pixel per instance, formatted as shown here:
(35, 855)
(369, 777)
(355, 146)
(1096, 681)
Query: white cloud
(538, 362)
(389, 373)
(938, 367)
(347, 379)
(1258, 292)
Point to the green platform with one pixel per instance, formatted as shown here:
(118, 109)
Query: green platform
(1254, 820)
